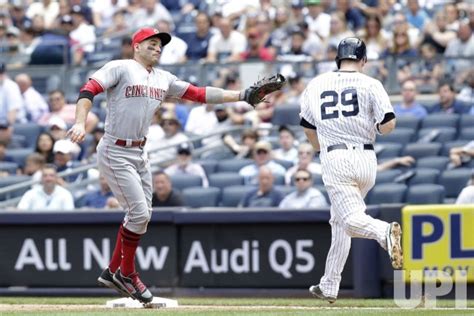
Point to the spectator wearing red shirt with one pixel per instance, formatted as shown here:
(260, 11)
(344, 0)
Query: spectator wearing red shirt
(255, 49)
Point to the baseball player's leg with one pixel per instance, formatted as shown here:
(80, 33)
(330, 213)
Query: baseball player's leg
(336, 259)
(147, 183)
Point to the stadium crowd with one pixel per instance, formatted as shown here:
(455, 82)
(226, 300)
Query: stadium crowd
(427, 46)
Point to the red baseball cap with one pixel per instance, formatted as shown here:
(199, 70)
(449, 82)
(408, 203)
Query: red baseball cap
(147, 32)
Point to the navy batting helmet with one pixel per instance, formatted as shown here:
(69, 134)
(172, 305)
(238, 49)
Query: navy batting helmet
(351, 48)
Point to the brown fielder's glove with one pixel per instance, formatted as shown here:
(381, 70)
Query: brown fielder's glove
(257, 92)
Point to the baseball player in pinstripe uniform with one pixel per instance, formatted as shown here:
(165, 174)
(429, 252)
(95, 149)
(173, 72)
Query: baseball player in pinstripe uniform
(135, 90)
(341, 112)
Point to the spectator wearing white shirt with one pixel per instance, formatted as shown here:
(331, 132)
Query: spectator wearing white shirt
(305, 161)
(11, 102)
(49, 9)
(34, 103)
(227, 45)
(173, 136)
(49, 196)
(83, 34)
(184, 164)
(175, 51)
(287, 150)
(318, 21)
(305, 196)
(261, 156)
(150, 12)
(202, 119)
(467, 194)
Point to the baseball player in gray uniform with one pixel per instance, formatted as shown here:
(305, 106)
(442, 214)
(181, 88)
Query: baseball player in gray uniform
(341, 112)
(135, 90)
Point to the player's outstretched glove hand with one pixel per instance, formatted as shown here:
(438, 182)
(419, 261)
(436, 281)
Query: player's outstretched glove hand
(257, 92)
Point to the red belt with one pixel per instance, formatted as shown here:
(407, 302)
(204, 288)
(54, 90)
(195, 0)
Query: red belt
(134, 143)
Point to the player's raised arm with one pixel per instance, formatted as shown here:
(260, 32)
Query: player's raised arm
(77, 133)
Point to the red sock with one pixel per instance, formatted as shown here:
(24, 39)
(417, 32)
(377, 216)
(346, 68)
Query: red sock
(117, 255)
(130, 242)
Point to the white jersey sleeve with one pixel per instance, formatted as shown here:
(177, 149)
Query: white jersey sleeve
(109, 75)
(380, 101)
(305, 112)
(177, 87)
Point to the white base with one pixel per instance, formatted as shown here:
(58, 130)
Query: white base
(128, 302)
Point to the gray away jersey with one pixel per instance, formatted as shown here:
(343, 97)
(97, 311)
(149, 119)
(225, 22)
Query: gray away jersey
(133, 96)
(344, 107)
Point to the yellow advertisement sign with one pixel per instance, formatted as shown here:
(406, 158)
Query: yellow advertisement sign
(439, 238)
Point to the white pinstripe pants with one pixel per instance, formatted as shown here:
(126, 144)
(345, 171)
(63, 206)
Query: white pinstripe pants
(348, 175)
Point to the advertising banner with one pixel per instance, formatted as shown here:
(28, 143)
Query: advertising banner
(439, 238)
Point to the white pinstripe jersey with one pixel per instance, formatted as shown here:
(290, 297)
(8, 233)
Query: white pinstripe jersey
(344, 107)
(133, 96)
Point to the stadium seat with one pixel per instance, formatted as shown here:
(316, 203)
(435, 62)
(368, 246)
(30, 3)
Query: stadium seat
(285, 163)
(201, 197)
(408, 121)
(10, 180)
(434, 162)
(225, 179)
(425, 194)
(279, 179)
(208, 165)
(30, 131)
(286, 114)
(399, 135)
(388, 150)
(19, 155)
(183, 181)
(387, 193)
(285, 189)
(232, 165)
(466, 121)
(387, 176)
(440, 120)
(467, 133)
(417, 150)
(232, 195)
(454, 181)
(448, 145)
(424, 175)
(442, 134)
(7, 166)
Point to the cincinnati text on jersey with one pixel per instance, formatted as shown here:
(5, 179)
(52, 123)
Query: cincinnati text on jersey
(140, 90)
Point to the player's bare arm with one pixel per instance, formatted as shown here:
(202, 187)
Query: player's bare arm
(387, 125)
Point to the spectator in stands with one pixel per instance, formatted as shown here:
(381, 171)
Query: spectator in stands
(317, 19)
(305, 162)
(126, 49)
(338, 29)
(49, 9)
(227, 45)
(57, 127)
(18, 14)
(374, 38)
(33, 101)
(328, 64)
(437, 32)
(119, 25)
(67, 112)
(98, 198)
(150, 12)
(11, 102)
(249, 138)
(175, 51)
(467, 194)
(198, 42)
(294, 89)
(409, 105)
(287, 150)
(34, 163)
(466, 94)
(261, 157)
(82, 34)
(63, 153)
(3, 152)
(104, 11)
(265, 195)
(461, 155)
(295, 52)
(255, 50)
(463, 48)
(9, 138)
(404, 53)
(173, 136)
(428, 71)
(64, 10)
(184, 164)
(305, 196)
(447, 100)
(202, 120)
(416, 15)
(49, 196)
(164, 195)
(452, 16)
(223, 124)
(44, 146)
(399, 24)
(155, 133)
(405, 161)
(353, 16)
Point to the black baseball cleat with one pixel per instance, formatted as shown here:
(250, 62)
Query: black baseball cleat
(107, 279)
(394, 247)
(316, 291)
(133, 286)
